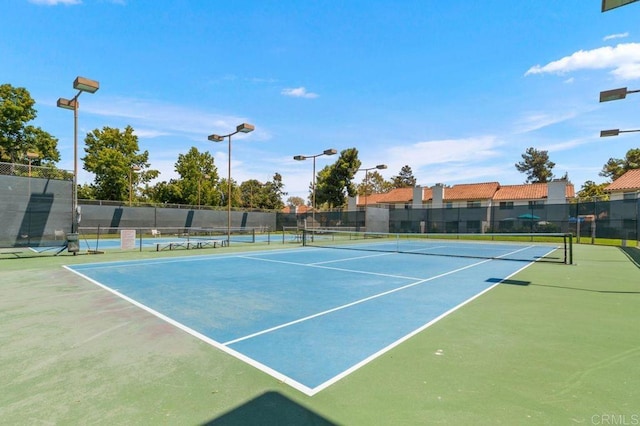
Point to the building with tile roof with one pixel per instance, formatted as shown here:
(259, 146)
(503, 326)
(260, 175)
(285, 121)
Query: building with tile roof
(625, 187)
(483, 194)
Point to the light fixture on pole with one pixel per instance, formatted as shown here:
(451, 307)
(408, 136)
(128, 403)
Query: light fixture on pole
(330, 151)
(241, 128)
(366, 185)
(612, 4)
(615, 94)
(132, 169)
(81, 84)
(32, 156)
(615, 132)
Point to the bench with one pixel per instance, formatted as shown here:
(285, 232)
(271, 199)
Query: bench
(210, 243)
(191, 244)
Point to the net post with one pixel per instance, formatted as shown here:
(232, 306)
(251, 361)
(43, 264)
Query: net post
(570, 249)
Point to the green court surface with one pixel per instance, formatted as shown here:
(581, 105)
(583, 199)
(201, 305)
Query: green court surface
(554, 344)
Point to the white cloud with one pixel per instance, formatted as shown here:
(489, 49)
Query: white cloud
(467, 150)
(537, 120)
(567, 145)
(624, 59)
(55, 2)
(149, 133)
(299, 92)
(614, 36)
(152, 118)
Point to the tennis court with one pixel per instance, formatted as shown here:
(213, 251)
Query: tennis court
(548, 344)
(311, 316)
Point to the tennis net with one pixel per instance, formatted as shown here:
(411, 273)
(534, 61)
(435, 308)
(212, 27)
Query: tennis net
(545, 247)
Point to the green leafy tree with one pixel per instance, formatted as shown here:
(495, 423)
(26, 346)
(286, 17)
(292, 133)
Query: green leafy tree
(198, 183)
(113, 157)
(165, 192)
(16, 136)
(86, 192)
(295, 201)
(236, 195)
(273, 193)
(616, 167)
(252, 194)
(590, 189)
(536, 165)
(335, 182)
(374, 183)
(404, 179)
(255, 194)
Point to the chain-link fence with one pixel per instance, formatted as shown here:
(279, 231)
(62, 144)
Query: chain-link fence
(28, 170)
(36, 210)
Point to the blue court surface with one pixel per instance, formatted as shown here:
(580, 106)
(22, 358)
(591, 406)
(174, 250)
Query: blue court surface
(307, 316)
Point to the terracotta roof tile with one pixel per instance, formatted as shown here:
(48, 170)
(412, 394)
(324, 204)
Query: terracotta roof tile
(530, 191)
(471, 191)
(398, 195)
(628, 181)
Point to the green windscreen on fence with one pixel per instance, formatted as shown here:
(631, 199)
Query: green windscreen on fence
(36, 211)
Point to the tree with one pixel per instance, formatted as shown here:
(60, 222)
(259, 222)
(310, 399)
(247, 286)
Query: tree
(536, 165)
(405, 178)
(252, 194)
(16, 137)
(198, 183)
(335, 182)
(374, 183)
(236, 195)
(295, 201)
(112, 156)
(616, 167)
(591, 189)
(255, 194)
(165, 192)
(273, 193)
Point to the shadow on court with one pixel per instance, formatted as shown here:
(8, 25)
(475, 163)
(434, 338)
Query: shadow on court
(270, 408)
(528, 283)
(508, 281)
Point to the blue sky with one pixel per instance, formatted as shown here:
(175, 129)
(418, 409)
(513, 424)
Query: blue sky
(457, 90)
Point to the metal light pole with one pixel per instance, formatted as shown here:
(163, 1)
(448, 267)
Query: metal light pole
(366, 180)
(241, 128)
(199, 185)
(32, 156)
(81, 84)
(366, 186)
(313, 184)
(132, 169)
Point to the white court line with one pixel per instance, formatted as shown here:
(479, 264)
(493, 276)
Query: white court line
(346, 259)
(408, 336)
(273, 373)
(161, 261)
(317, 265)
(268, 370)
(357, 302)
